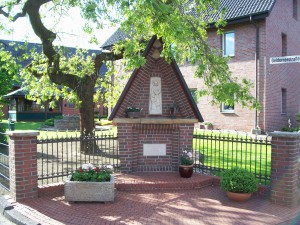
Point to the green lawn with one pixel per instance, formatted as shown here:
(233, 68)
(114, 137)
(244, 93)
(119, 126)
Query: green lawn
(221, 151)
(52, 134)
(25, 125)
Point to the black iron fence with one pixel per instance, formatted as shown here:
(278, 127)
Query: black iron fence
(218, 151)
(4, 162)
(59, 157)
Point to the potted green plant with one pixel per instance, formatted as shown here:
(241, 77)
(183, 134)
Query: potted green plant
(208, 125)
(186, 164)
(90, 183)
(133, 112)
(239, 183)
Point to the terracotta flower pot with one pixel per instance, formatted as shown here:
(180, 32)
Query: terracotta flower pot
(186, 171)
(238, 197)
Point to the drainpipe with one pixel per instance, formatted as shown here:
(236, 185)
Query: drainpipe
(256, 68)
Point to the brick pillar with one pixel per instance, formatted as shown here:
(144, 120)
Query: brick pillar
(284, 168)
(23, 164)
(125, 147)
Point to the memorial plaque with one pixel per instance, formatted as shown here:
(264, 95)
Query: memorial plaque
(155, 101)
(154, 149)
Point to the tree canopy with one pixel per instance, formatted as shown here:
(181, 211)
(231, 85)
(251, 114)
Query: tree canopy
(181, 24)
(8, 74)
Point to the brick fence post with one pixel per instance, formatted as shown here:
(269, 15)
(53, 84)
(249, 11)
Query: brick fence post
(23, 164)
(284, 168)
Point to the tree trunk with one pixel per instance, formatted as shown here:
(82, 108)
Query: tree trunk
(85, 94)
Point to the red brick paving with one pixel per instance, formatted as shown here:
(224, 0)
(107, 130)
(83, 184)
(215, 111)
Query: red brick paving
(208, 205)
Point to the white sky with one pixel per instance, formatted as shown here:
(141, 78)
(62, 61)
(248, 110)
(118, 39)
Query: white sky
(70, 29)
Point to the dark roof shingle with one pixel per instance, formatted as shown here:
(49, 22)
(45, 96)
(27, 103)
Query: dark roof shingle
(242, 8)
(235, 9)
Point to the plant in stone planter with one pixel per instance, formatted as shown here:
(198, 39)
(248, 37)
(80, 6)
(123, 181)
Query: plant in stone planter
(208, 125)
(88, 172)
(90, 183)
(186, 164)
(133, 112)
(239, 183)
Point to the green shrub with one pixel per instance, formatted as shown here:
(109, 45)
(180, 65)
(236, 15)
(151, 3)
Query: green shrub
(58, 117)
(3, 138)
(291, 129)
(238, 180)
(50, 122)
(298, 117)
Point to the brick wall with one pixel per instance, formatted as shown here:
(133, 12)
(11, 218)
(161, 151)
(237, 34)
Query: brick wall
(282, 75)
(132, 136)
(284, 168)
(23, 165)
(72, 110)
(69, 110)
(138, 95)
(242, 65)
(271, 78)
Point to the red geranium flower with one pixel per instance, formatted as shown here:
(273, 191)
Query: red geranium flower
(81, 170)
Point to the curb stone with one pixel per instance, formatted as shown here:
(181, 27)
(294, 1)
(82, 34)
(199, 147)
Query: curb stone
(13, 215)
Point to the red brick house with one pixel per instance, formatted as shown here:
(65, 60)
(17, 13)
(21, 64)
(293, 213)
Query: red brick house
(256, 30)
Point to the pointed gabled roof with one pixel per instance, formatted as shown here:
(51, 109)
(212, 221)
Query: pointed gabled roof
(179, 77)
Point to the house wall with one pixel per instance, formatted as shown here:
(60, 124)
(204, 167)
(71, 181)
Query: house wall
(69, 109)
(282, 75)
(242, 65)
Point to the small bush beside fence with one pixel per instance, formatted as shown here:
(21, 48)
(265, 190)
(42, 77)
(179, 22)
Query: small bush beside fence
(218, 151)
(4, 162)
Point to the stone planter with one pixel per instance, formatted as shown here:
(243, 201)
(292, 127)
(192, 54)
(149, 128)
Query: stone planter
(186, 171)
(209, 127)
(133, 114)
(79, 191)
(238, 197)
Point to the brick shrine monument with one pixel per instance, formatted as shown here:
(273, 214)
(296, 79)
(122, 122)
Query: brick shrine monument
(154, 141)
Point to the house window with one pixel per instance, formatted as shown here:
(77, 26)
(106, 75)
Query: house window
(228, 42)
(227, 108)
(295, 9)
(284, 44)
(283, 101)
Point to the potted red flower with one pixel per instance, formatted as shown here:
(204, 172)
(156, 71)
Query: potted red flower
(186, 166)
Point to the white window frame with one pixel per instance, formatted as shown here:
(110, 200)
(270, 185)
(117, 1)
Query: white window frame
(224, 44)
(224, 110)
